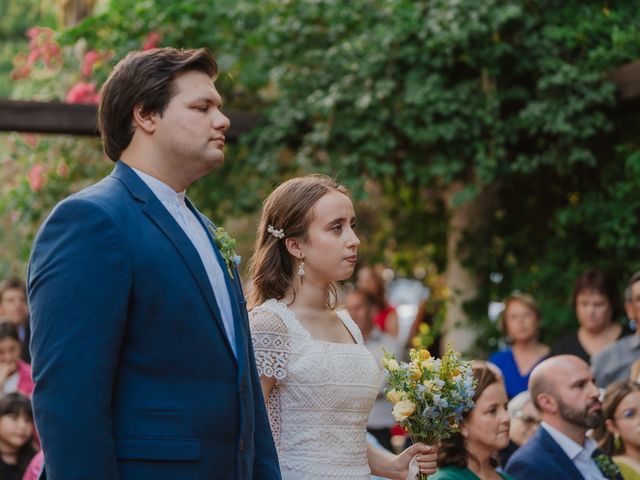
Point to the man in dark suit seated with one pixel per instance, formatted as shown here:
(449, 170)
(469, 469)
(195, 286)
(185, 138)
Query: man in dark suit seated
(564, 391)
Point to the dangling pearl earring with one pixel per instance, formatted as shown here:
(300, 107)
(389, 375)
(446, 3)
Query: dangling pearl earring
(301, 268)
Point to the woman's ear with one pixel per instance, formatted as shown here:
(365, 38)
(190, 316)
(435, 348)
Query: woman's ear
(294, 247)
(610, 426)
(464, 431)
(143, 119)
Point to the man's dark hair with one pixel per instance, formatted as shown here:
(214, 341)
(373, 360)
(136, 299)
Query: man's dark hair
(12, 283)
(143, 78)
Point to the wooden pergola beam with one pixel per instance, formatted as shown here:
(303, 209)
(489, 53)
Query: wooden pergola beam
(77, 119)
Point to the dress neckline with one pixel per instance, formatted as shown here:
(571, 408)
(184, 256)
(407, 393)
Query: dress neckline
(345, 319)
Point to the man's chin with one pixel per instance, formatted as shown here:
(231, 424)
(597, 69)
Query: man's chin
(593, 419)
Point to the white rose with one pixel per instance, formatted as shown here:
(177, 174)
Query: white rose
(403, 410)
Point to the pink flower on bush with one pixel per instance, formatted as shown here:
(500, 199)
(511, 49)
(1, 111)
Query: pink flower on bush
(20, 72)
(90, 58)
(152, 41)
(62, 169)
(36, 177)
(30, 139)
(83, 92)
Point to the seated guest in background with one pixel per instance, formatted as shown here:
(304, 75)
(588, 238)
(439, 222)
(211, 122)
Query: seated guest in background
(620, 434)
(614, 363)
(360, 307)
(525, 421)
(16, 436)
(564, 392)
(597, 307)
(14, 308)
(384, 315)
(520, 324)
(471, 453)
(15, 373)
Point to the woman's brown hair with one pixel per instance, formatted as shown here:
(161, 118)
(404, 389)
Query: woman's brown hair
(453, 451)
(595, 280)
(613, 395)
(289, 208)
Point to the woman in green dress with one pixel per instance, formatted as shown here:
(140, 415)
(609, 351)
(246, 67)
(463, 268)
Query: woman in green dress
(471, 453)
(619, 436)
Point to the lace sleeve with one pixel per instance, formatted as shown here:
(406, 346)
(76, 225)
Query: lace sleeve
(271, 343)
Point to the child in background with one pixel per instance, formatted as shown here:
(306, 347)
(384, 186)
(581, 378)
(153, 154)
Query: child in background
(16, 435)
(15, 374)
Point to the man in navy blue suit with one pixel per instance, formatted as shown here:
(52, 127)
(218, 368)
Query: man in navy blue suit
(142, 358)
(564, 391)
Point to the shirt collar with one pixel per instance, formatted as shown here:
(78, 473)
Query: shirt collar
(571, 448)
(160, 189)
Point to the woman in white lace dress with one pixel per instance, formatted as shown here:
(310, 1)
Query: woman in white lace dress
(318, 379)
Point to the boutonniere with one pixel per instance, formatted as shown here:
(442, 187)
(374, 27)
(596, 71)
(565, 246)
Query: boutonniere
(226, 244)
(607, 466)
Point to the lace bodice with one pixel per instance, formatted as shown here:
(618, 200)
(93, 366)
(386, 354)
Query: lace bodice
(324, 391)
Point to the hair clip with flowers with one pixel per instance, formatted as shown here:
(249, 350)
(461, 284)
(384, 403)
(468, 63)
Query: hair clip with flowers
(279, 234)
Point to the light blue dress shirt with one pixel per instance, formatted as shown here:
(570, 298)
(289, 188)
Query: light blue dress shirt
(193, 229)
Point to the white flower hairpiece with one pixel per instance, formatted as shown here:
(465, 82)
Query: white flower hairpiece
(279, 234)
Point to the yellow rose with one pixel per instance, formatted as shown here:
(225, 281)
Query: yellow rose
(424, 355)
(416, 373)
(423, 328)
(392, 365)
(403, 410)
(416, 342)
(394, 396)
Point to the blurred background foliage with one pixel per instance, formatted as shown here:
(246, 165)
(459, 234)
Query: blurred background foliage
(422, 108)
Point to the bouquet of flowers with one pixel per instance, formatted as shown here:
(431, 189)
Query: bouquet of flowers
(429, 395)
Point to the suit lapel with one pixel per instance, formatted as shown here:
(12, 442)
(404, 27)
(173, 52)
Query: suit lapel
(159, 215)
(557, 453)
(233, 285)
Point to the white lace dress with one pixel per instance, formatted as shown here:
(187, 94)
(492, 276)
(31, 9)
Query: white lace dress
(324, 391)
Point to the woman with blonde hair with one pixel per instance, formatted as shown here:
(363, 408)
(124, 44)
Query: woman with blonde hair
(318, 379)
(520, 325)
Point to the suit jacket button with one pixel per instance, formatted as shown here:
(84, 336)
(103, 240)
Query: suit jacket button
(241, 445)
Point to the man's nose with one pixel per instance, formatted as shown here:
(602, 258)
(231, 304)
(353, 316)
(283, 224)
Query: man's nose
(221, 121)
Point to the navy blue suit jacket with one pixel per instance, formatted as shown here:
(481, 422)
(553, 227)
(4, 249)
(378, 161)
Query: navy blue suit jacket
(135, 376)
(542, 458)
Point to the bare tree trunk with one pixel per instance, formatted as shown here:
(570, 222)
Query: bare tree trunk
(463, 219)
(70, 12)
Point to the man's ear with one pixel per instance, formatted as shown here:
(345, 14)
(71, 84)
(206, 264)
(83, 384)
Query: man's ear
(547, 403)
(143, 119)
(294, 247)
